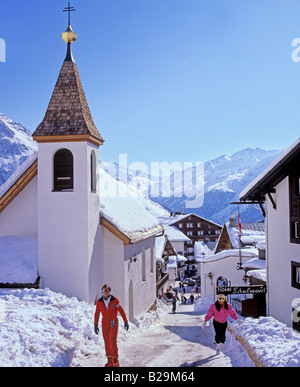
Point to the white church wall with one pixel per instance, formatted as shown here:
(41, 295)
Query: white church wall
(140, 276)
(66, 226)
(133, 283)
(20, 216)
(112, 258)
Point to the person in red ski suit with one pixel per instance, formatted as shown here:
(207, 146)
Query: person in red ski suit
(109, 306)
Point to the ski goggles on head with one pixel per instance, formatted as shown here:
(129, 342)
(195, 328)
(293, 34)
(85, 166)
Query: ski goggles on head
(221, 298)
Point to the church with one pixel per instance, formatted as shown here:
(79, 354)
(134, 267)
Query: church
(83, 241)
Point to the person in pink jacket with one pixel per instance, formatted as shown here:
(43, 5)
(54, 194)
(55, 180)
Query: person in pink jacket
(220, 311)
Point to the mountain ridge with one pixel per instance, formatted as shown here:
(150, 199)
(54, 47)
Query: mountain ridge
(222, 179)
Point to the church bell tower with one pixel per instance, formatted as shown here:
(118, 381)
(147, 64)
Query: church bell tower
(68, 194)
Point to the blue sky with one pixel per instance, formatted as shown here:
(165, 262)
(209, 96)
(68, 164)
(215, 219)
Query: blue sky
(166, 80)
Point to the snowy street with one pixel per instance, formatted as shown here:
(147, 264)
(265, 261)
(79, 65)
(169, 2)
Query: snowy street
(181, 342)
(40, 328)
(178, 341)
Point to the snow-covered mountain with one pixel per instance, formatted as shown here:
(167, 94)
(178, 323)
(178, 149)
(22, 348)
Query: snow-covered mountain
(16, 145)
(224, 177)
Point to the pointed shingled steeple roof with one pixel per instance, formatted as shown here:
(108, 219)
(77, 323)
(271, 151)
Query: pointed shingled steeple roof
(68, 117)
(68, 113)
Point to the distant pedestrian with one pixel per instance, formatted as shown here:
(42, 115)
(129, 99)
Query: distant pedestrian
(183, 299)
(174, 302)
(192, 298)
(220, 311)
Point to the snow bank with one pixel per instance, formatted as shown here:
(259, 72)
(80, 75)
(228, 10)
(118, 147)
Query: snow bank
(19, 256)
(40, 328)
(275, 344)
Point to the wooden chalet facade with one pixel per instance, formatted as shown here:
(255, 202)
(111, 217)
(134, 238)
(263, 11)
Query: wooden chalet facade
(197, 229)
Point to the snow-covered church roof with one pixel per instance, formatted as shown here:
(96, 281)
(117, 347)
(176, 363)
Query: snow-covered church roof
(125, 210)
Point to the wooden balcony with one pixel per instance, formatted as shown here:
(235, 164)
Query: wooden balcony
(162, 281)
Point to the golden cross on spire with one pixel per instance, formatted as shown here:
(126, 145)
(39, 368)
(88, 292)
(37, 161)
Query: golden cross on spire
(69, 35)
(69, 9)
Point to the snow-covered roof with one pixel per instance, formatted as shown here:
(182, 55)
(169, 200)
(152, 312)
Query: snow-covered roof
(126, 210)
(18, 173)
(254, 263)
(260, 274)
(251, 253)
(181, 258)
(201, 249)
(177, 258)
(175, 235)
(160, 243)
(248, 236)
(259, 186)
(174, 219)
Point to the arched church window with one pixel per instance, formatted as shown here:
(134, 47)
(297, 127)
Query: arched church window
(63, 170)
(93, 172)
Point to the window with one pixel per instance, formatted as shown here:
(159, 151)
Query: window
(143, 265)
(93, 172)
(152, 259)
(180, 225)
(295, 230)
(297, 186)
(294, 209)
(189, 233)
(295, 268)
(63, 170)
(190, 225)
(198, 225)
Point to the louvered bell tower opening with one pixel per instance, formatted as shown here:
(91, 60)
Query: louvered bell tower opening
(63, 171)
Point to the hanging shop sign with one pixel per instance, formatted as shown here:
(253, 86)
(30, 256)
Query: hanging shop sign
(252, 289)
